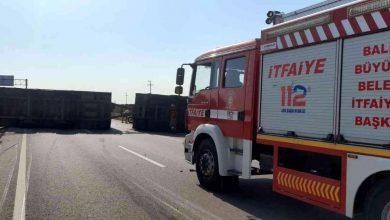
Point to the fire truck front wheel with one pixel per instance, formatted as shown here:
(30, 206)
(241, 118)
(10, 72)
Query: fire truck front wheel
(207, 165)
(378, 202)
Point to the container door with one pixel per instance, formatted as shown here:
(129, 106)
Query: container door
(365, 101)
(298, 91)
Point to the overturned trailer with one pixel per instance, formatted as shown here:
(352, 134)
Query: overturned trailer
(55, 108)
(159, 113)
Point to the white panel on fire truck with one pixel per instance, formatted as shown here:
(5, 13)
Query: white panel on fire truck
(365, 99)
(298, 91)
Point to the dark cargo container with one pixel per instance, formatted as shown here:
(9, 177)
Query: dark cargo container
(159, 113)
(55, 108)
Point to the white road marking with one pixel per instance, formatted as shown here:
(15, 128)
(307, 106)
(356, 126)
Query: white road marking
(10, 175)
(28, 172)
(143, 157)
(20, 196)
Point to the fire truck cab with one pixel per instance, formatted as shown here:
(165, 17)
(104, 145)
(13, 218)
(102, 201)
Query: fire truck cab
(309, 102)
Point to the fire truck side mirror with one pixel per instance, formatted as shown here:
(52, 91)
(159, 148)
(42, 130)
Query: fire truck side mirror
(178, 90)
(180, 76)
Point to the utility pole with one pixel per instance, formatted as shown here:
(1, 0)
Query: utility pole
(126, 97)
(150, 86)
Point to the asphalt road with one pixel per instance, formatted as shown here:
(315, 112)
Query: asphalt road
(123, 174)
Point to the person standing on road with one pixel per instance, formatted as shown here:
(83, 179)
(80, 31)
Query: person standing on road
(125, 115)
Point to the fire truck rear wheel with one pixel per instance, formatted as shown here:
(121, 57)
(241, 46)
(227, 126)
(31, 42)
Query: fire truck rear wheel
(377, 204)
(207, 165)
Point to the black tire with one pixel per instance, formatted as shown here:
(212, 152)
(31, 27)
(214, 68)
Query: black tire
(377, 204)
(207, 165)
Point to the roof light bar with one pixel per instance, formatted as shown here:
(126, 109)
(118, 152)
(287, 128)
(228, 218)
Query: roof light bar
(300, 26)
(368, 7)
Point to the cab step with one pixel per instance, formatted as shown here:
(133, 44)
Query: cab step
(234, 172)
(257, 171)
(237, 151)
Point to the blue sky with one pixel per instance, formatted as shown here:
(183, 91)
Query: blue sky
(118, 45)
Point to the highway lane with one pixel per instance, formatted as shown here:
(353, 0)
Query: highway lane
(125, 174)
(9, 153)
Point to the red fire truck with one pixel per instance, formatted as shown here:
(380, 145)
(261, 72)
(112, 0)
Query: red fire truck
(309, 103)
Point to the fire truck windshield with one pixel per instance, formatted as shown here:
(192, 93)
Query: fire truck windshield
(206, 76)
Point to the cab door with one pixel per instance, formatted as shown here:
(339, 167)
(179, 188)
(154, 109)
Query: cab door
(203, 93)
(231, 101)
(214, 90)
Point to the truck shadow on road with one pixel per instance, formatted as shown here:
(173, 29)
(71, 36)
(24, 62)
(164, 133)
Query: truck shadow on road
(256, 197)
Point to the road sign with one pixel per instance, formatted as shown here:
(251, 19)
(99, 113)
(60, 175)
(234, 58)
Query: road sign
(6, 80)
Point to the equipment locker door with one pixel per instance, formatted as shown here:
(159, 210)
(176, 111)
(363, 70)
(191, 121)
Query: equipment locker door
(298, 91)
(365, 101)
